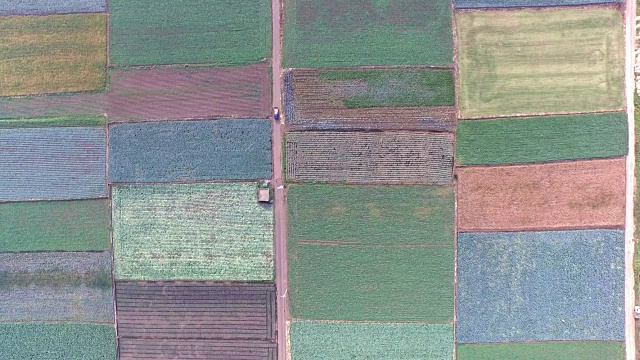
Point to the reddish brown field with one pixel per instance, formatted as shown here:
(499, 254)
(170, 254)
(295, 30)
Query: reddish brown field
(567, 195)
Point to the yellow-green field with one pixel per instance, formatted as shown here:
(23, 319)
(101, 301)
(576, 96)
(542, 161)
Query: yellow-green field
(540, 61)
(50, 54)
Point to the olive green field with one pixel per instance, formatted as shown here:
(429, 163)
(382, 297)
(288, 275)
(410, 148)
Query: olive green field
(566, 350)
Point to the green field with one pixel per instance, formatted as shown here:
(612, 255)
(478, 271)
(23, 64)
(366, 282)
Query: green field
(55, 225)
(61, 341)
(542, 61)
(540, 139)
(588, 350)
(367, 32)
(53, 121)
(311, 340)
(50, 54)
(371, 214)
(195, 231)
(223, 32)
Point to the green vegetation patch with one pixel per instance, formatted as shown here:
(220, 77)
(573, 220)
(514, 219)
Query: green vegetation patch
(540, 61)
(55, 225)
(54, 53)
(380, 215)
(62, 341)
(367, 32)
(397, 87)
(540, 139)
(312, 340)
(53, 121)
(224, 32)
(588, 350)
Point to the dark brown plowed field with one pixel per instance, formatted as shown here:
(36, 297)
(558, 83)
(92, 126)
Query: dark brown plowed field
(196, 320)
(567, 195)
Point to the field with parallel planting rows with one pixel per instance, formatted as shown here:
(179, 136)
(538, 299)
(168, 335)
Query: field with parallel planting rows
(46, 7)
(421, 99)
(540, 139)
(579, 194)
(54, 121)
(540, 286)
(366, 32)
(314, 340)
(192, 231)
(586, 350)
(540, 61)
(64, 286)
(358, 157)
(480, 4)
(206, 31)
(196, 320)
(55, 53)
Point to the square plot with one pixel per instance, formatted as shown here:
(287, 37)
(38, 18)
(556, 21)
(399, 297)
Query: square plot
(53, 54)
(540, 61)
(540, 286)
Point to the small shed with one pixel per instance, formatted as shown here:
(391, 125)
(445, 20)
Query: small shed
(263, 195)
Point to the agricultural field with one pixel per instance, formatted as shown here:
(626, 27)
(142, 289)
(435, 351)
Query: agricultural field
(178, 151)
(370, 215)
(479, 4)
(53, 163)
(63, 286)
(579, 194)
(312, 340)
(541, 139)
(51, 54)
(353, 33)
(57, 341)
(357, 157)
(587, 350)
(142, 31)
(196, 320)
(540, 286)
(46, 7)
(540, 61)
(60, 121)
(55, 225)
(420, 99)
(192, 231)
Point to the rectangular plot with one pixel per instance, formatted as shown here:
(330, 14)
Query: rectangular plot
(565, 195)
(195, 231)
(588, 350)
(142, 31)
(378, 283)
(540, 139)
(55, 225)
(377, 215)
(540, 61)
(356, 157)
(69, 121)
(57, 341)
(311, 340)
(420, 99)
(134, 348)
(540, 286)
(53, 163)
(50, 54)
(65, 286)
(44, 7)
(479, 4)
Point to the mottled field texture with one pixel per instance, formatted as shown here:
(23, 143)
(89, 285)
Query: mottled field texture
(53, 163)
(540, 61)
(581, 194)
(359, 157)
(160, 94)
(44, 7)
(370, 215)
(365, 32)
(146, 32)
(537, 286)
(57, 341)
(55, 53)
(418, 99)
(178, 151)
(196, 320)
(55, 225)
(312, 340)
(195, 231)
(540, 139)
(588, 350)
(69, 121)
(479, 4)
(63, 286)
